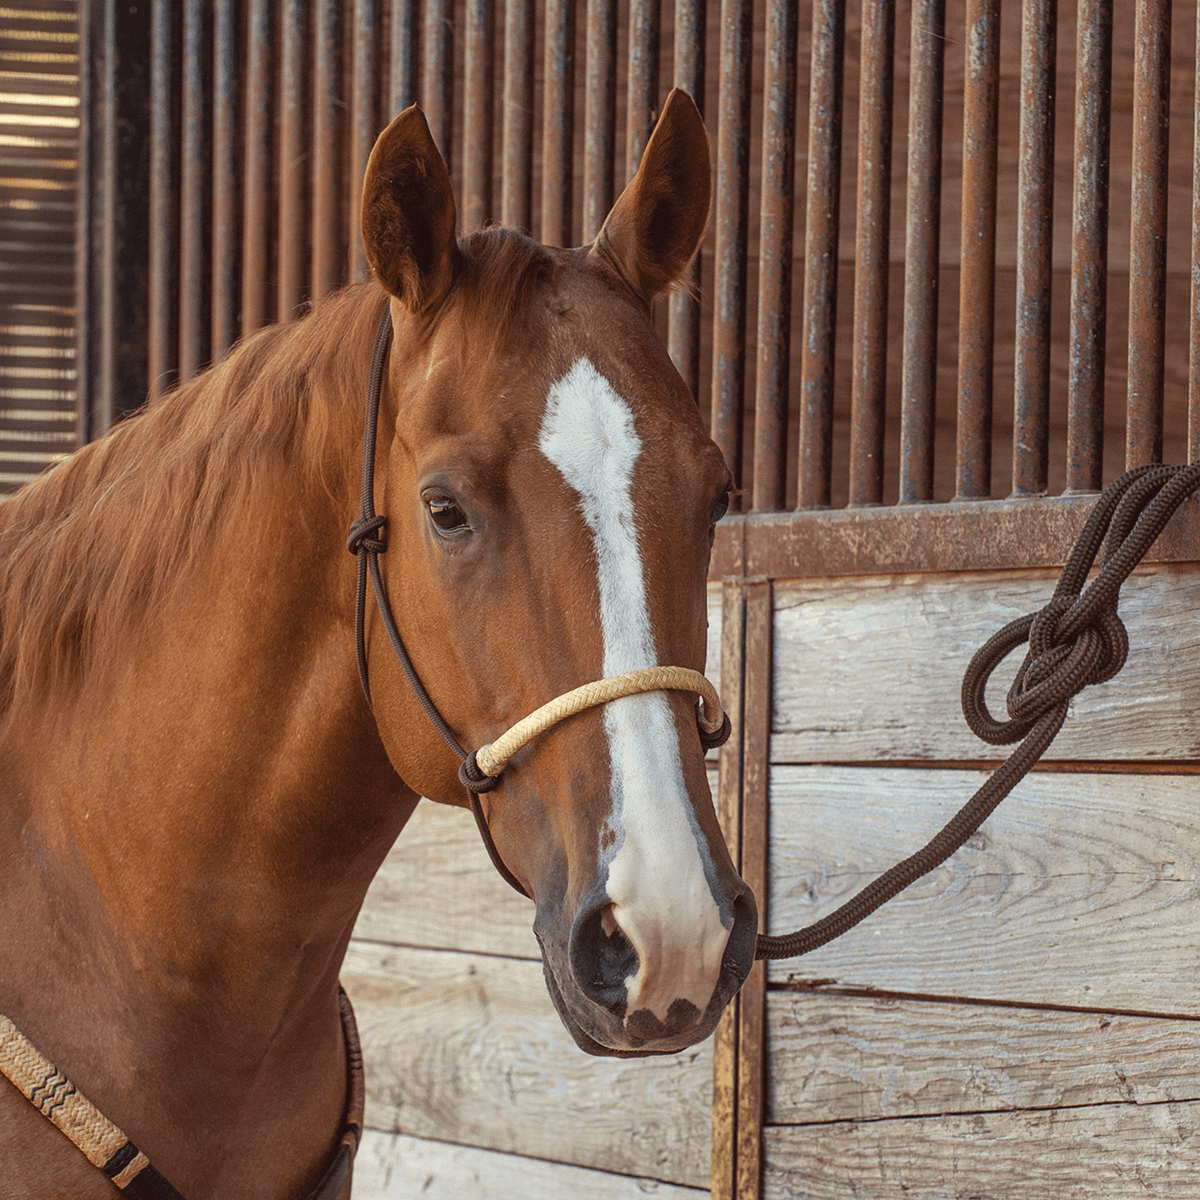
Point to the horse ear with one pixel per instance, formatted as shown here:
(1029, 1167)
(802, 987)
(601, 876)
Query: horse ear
(657, 222)
(408, 215)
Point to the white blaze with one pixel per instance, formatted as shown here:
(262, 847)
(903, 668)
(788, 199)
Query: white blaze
(656, 863)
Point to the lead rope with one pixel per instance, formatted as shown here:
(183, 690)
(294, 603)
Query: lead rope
(1074, 641)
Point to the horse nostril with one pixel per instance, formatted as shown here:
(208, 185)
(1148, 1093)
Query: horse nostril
(602, 957)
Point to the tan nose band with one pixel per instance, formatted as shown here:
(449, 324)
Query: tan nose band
(493, 757)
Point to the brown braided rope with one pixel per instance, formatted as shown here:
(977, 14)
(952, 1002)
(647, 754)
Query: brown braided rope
(1074, 641)
(493, 757)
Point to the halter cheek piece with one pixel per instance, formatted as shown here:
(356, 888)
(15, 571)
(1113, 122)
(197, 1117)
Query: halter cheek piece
(480, 771)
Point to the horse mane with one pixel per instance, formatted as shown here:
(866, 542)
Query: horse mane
(101, 539)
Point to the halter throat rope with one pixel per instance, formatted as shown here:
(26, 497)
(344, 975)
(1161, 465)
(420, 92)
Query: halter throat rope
(480, 770)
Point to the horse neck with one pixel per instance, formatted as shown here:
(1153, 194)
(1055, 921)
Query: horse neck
(210, 815)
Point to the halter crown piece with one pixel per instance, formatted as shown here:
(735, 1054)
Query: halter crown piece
(480, 771)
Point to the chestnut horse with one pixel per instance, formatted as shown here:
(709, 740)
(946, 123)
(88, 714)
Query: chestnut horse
(195, 792)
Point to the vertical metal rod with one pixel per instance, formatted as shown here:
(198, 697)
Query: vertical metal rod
(294, 157)
(922, 248)
(977, 288)
(1089, 246)
(732, 220)
(437, 74)
(558, 124)
(256, 171)
(775, 257)
(364, 123)
(478, 114)
(869, 371)
(599, 114)
(328, 200)
(821, 254)
(683, 330)
(193, 314)
(516, 198)
(403, 67)
(1193, 436)
(1148, 233)
(1035, 248)
(642, 83)
(164, 211)
(226, 230)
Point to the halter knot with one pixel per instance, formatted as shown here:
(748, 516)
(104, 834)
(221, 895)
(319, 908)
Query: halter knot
(360, 535)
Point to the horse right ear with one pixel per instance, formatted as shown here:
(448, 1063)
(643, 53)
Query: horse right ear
(408, 214)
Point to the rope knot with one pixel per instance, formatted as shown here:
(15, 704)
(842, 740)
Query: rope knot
(360, 535)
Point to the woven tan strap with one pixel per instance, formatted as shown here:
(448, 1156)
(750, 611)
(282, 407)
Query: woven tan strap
(57, 1099)
(493, 757)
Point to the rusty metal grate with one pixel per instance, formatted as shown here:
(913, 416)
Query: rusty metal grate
(38, 133)
(951, 246)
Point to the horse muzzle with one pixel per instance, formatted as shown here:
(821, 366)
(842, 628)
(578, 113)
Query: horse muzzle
(628, 986)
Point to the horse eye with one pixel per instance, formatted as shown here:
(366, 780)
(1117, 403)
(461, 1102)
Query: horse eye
(720, 507)
(446, 515)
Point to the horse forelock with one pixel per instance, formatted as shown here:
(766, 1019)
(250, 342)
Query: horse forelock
(109, 535)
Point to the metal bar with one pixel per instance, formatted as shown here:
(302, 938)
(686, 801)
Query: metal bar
(869, 370)
(163, 335)
(599, 114)
(194, 193)
(1035, 245)
(922, 247)
(478, 114)
(403, 67)
(226, 231)
(364, 123)
(516, 193)
(437, 73)
(683, 329)
(558, 123)
(1089, 246)
(775, 257)
(977, 286)
(732, 220)
(328, 201)
(293, 160)
(256, 170)
(821, 254)
(642, 82)
(1193, 436)
(1148, 233)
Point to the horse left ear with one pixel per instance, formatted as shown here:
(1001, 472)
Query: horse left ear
(408, 214)
(657, 222)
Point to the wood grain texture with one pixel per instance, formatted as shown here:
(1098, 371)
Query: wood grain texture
(468, 1049)
(1118, 1152)
(1080, 890)
(398, 1167)
(865, 1058)
(870, 669)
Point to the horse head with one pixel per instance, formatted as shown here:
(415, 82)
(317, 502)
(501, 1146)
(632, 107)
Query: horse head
(551, 494)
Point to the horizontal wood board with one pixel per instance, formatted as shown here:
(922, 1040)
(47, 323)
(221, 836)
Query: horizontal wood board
(392, 1166)
(870, 669)
(468, 1049)
(1080, 890)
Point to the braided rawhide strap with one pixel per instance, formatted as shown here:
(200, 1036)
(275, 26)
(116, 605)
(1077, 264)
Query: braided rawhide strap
(492, 758)
(1074, 641)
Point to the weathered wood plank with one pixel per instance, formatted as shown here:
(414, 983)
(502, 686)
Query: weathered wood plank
(870, 669)
(398, 1167)
(864, 1058)
(1080, 890)
(1118, 1151)
(469, 1049)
